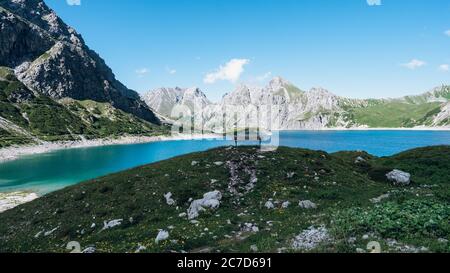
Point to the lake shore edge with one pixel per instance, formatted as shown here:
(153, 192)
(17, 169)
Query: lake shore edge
(15, 152)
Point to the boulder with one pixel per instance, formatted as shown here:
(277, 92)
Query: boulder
(169, 199)
(210, 200)
(269, 205)
(307, 205)
(399, 178)
(162, 236)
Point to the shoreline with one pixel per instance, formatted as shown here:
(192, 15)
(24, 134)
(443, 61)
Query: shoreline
(15, 152)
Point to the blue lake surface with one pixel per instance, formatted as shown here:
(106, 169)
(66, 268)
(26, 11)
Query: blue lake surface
(44, 173)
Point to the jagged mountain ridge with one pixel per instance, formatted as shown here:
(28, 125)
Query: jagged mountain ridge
(319, 108)
(51, 58)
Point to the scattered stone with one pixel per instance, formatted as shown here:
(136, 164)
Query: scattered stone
(380, 198)
(442, 240)
(307, 204)
(269, 205)
(360, 160)
(254, 248)
(210, 200)
(399, 178)
(162, 236)
(89, 250)
(290, 175)
(365, 237)
(140, 248)
(48, 233)
(194, 163)
(218, 163)
(182, 215)
(169, 199)
(360, 250)
(93, 225)
(286, 205)
(111, 224)
(311, 238)
(249, 227)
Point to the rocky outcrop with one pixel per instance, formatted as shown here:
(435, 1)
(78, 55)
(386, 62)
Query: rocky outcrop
(399, 177)
(52, 59)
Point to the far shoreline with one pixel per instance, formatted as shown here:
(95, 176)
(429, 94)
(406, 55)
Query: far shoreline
(15, 152)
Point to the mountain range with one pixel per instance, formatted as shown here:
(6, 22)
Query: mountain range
(313, 109)
(53, 86)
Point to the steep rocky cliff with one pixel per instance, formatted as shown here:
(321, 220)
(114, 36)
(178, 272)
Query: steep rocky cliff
(52, 59)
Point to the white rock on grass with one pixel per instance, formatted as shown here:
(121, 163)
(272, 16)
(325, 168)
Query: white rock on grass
(269, 205)
(286, 205)
(311, 238)
(162, 236)
(50, 232)
(210, 200)
(359, 160)
(250, 227)
(89, 250)
(307, 205)
(218, 163)
(194, 163)
(111, 224)
(399, 178)
(169, 199)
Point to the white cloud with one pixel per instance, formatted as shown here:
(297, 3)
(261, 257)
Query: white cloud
(231, 71)
(171, 71)
(374, 2)
(444, 68)
(142, 72)
(264, 77)
(414, 64)
(74, 2)
(447, 33)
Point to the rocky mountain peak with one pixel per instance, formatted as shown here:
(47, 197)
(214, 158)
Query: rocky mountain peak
(50, 58)
(278, 83)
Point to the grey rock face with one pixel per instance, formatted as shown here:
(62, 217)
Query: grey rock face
(399, 177)
(49, 57)
(164, 100)
(295, 109)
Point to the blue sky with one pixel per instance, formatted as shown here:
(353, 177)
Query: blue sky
(388, 49)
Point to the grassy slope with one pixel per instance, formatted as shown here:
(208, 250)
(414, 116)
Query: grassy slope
(395, 114)
(49, 120)
(416, 215)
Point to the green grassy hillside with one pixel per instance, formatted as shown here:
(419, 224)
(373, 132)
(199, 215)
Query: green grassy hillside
(404, 219)
(395, 114)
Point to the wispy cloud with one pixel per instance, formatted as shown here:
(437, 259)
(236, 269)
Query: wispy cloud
(264, 77)
(374, 2)
(414, 64)
(73, 2)
(171, 71)
(444, 68)
(447, 32)
(142, 72)
(231, 71)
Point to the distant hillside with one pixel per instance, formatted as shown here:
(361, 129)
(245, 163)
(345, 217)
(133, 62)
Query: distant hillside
(318, 108)
(242, 200)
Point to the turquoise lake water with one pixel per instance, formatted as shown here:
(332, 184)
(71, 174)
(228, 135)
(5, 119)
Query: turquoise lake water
(44, 173)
